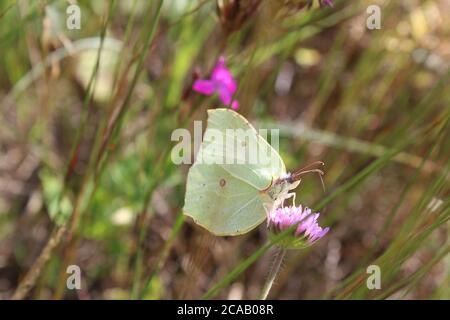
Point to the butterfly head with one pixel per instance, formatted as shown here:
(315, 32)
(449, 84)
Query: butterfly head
(281, 187)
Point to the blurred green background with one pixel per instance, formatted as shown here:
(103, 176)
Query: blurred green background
(86, 176)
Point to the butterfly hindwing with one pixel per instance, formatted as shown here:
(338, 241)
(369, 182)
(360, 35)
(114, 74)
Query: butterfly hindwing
(221, 203)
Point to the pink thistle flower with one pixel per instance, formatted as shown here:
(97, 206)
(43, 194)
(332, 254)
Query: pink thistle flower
(221, 82)
(305, 221)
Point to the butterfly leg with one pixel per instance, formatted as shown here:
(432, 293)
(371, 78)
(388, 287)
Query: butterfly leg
(267, 208)
(289, 195)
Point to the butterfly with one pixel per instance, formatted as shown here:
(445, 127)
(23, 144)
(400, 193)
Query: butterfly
(229, 193)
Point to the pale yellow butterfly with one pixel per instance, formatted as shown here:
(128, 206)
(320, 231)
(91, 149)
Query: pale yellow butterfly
(227, 193)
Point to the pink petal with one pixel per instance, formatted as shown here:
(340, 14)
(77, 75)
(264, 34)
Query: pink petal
(221, 62)
(205, 87)
(225, 78)
(323, 232)
(225, 95)
(235, 104)
(222, 75)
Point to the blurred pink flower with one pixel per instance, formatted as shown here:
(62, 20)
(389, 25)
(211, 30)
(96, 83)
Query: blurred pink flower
(221, 82)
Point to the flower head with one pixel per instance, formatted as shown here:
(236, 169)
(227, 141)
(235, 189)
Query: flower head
(221, 82)
(302, 219)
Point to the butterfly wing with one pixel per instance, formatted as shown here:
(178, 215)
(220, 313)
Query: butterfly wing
(223, 192)
(243, 152)
(222, 203)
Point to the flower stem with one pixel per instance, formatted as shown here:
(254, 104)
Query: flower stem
(273, 273)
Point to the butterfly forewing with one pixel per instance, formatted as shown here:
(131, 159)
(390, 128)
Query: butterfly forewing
(241, 151)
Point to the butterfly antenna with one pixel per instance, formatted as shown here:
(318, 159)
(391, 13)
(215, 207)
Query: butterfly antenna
(297, 175)
(309, 166)
(323, 184)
